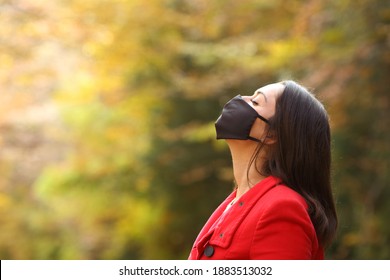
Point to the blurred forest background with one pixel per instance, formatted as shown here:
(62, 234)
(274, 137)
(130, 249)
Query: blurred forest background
(107, 110)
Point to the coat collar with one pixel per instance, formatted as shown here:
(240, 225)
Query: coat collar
(224, 228)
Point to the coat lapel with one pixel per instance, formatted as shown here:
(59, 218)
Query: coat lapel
(208, 230)
(224, 229)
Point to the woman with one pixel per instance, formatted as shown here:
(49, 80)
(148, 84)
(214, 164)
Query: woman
(282, 206)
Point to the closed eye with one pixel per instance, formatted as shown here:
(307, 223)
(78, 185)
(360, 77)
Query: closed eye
(254, 102)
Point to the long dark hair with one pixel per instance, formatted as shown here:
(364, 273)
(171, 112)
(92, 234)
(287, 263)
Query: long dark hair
(301, 156)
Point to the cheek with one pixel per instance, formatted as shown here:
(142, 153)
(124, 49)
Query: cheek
(258, 129)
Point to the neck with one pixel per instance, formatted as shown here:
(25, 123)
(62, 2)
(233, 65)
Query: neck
(245, 176)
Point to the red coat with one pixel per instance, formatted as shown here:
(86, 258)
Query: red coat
(270, 221)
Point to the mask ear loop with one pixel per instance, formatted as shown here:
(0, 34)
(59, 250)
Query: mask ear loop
(255, 139)
(263, 119)
(258, 140)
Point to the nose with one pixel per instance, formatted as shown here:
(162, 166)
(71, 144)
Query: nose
(246, 98)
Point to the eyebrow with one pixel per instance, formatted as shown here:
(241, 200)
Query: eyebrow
(260, 92)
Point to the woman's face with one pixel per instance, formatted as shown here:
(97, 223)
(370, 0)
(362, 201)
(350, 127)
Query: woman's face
(263, 101)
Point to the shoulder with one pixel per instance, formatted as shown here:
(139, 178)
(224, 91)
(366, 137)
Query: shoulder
(271, 193)
(277, 202)
(282, 203)
(283, 226)
(283, 195)
(285, 210)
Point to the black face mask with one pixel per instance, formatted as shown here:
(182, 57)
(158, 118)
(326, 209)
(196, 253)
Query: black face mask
(236, 120)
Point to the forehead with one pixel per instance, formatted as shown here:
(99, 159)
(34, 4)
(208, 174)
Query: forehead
(272, 90)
